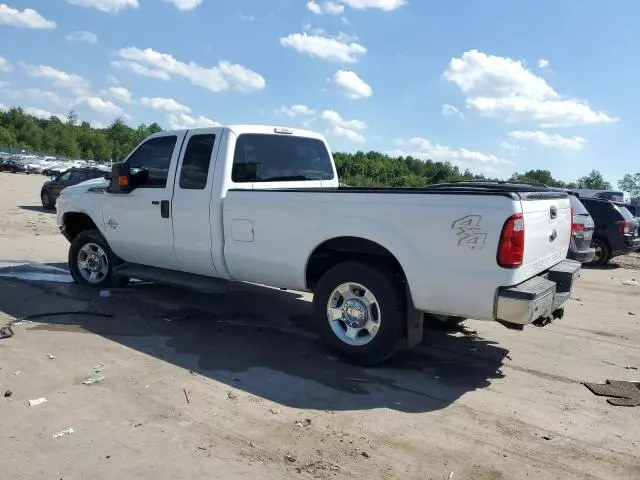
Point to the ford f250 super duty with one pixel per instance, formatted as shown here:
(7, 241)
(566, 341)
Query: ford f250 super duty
(263, 205)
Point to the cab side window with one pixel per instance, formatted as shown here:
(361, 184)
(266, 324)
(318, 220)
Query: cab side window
(196, 162)
(154, 155)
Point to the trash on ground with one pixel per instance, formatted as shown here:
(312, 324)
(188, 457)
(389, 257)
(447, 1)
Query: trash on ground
(303, 423)
(94, 378)
(274, 411)
(8, 393)
(50, 357)
(186, 395)
(98, 368)
(62, 433)
(105, 293)
(621, 366)
(138, 425)
(17, 372)
(365, 455)
(232, 396)
(624, 394)
(37, 401)
(6, 331)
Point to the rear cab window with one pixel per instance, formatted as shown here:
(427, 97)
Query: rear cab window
(260, 157)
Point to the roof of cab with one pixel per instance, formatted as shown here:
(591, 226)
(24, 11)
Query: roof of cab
(240, 128)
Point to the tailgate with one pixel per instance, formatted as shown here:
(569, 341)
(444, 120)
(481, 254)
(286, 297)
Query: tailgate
(547, 221)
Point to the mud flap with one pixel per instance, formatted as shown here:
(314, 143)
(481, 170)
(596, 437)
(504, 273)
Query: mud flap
(415, 325)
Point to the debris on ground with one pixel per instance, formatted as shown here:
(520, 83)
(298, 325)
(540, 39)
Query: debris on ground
(8, 393)
(186, 395)
(547, 437)
(290, 458)
(232, 396)
(94, 378)
(624, 394)
(303, 423)
(252, 444)
(37, 401)
(629, 283)
(621, 366)
(62, 433)
(274, 411)
(98, 368)
(6, 331)
(17, 372)
(365, 455)
(50, 357)
(450, 476)
(138, 425)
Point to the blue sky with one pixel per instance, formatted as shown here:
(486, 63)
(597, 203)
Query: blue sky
(496, 86)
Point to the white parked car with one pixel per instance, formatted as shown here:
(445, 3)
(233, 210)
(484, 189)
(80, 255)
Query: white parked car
(263, 204)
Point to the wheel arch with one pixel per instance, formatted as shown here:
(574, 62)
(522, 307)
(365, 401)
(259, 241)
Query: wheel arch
(74, 223)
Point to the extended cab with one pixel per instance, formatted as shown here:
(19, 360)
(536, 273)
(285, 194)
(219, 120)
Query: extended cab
(263, 204)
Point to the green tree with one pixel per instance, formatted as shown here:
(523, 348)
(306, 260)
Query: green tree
(594, 181)
(631, 183)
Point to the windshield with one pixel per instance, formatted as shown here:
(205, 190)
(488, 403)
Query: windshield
(280, 158)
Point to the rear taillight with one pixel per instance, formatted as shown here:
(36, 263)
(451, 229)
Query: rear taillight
(511, 246)
(624, 227)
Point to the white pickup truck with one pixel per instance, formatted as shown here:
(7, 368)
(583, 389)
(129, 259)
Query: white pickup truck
(263, 205)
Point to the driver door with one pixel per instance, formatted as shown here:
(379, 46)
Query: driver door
(138, 224)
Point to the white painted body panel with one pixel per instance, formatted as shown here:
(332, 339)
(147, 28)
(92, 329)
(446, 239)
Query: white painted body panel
(446, 243)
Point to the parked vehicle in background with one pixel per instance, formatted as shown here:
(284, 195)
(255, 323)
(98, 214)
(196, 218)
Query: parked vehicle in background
(582, 229)
(614, 195)
(617, 231)
(263, 205)
(15, 165)
(51, 190)
(634, 209)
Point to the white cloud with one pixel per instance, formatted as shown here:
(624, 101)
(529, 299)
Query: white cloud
(386, 5)
(247, 18)
(113, 79)
(44, 95)
(5, 66)
(451, 111)
(82, 36)
(167, 104)
(218, 78)
(27, 18)
(511, 148)
(352, 85)
(43, 114)
(339, 49)
(121, 94)
(185, 4)
(182, 120)
(551, 140)
(110, 6)
(99, 105)
(543, 63)
(348, 129)
(325, 8)
(3, 107)
(96, 124)
(296, 111)
(138, 69)
(503, 87)
(58, 77)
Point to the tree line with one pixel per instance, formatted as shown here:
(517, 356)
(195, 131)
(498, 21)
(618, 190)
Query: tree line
(74, 139)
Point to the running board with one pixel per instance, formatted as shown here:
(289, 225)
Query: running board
(174, 278)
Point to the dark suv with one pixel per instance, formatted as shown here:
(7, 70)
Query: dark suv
(617, 231)
(51, 190)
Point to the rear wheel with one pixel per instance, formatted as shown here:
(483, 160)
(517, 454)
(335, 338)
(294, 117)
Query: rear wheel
(91, 261)
(602, 252)
(360, 310)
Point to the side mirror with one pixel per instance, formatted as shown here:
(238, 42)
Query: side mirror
(120, 179)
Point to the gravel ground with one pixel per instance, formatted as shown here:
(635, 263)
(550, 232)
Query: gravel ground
(237, 385)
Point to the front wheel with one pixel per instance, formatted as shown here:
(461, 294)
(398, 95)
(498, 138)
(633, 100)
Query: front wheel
(91, 261)
(360, 311)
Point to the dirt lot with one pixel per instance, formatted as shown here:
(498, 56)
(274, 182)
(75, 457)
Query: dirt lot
(266, 400)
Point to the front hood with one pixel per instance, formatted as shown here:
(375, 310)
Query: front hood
(85, 186)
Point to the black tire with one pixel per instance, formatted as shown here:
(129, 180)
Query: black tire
(45, 198)
(389, 292)
(605, 253)
(109, 280)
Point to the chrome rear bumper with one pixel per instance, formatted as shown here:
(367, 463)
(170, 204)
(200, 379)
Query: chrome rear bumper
(539, 297)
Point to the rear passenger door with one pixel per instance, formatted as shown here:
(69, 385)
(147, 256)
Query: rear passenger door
(192, 205)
